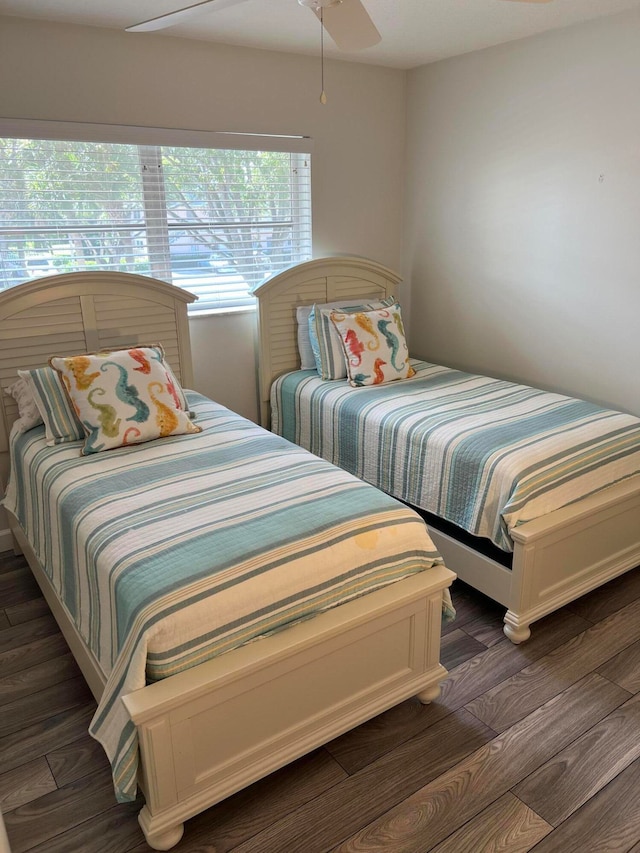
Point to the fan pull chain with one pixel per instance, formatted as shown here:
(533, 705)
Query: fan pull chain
(323, 97)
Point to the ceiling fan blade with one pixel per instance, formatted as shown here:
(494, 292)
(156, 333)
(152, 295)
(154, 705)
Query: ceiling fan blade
(349, 25)
(180, 15)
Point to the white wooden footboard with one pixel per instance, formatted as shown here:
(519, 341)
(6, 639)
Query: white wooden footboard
(210, 731)
(556, 558)
(566, 554)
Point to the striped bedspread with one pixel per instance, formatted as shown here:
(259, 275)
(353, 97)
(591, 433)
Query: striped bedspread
(181, 549)
(482, 453)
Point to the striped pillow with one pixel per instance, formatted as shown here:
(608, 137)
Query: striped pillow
(60, 420)
(325, 341)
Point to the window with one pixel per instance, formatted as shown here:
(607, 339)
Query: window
(214, 220)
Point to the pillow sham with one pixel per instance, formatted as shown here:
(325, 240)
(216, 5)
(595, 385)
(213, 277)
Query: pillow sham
(325, 341)
(124, 397)
(28, 413)
(374, 345)
(60, 420)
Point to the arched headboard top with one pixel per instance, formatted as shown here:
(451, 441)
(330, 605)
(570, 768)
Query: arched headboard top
(318, 281)
(86, 312)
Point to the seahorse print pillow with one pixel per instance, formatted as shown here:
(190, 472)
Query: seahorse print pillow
(124, 397)
(325, 343)
(374, 345)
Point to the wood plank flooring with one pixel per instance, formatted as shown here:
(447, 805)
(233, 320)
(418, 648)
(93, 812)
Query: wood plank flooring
(532, 747)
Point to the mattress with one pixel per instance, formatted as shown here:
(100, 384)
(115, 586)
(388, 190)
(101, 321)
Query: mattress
(170, 553)
(484, 454)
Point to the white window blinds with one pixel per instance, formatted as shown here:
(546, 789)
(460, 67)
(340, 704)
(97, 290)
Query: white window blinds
(215, 221)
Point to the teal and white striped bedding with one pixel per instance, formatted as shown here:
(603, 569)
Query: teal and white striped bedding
(169, 553)
(482, 453)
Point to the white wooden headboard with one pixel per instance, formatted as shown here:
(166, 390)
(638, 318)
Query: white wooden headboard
(85, 312)
(321, 280)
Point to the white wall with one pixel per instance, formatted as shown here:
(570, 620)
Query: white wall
(522, 236)
(69, 73)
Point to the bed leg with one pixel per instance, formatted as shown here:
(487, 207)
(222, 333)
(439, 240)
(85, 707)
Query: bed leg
(163, 839)
(427, 695)
(515, 629)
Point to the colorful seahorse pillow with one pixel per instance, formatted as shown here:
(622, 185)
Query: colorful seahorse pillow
(325, 342)
(124, 397)
(374, 345)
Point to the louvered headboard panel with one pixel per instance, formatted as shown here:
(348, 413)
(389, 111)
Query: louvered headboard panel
(322, 280)
(121, 322)
(86, 312)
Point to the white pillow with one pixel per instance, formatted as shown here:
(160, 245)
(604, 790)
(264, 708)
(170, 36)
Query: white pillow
(29, 414)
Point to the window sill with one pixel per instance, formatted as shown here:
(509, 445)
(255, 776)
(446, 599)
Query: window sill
(224, 312)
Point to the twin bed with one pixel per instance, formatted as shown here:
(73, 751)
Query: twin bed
(199, 690)
(553, 482)
(172, 566)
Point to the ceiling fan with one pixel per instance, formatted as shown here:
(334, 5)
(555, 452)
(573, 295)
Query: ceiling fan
(346, 21)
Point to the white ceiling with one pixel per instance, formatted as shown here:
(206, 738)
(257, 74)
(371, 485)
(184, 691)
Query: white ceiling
(414, 32)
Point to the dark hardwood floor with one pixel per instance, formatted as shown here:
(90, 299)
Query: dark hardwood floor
(533, 747)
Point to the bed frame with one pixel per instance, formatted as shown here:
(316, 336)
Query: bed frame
(557, 558)
(268, 702)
